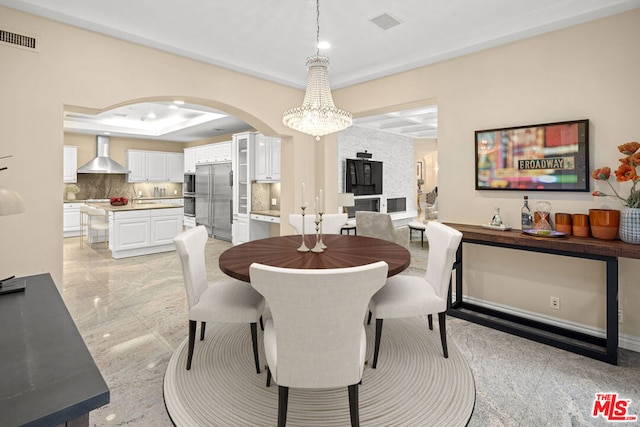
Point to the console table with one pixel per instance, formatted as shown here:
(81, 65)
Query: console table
(605, 349)
(48, 377)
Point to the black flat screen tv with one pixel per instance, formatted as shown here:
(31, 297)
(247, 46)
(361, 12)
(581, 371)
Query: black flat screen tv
(363, 177)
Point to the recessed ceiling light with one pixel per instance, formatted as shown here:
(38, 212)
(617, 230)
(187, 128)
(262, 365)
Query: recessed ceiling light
(173, 107)
(106, 133)
(151, 115)
(324, 45)
(178, 102)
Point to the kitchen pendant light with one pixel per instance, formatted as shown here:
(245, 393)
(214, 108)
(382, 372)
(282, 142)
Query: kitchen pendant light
(318, 115)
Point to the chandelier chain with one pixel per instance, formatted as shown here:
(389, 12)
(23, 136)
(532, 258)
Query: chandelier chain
(317, 27)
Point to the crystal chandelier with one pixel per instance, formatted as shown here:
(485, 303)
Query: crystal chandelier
(318, 115)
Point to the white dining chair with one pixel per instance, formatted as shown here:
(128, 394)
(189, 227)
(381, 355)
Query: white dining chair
(410, 296)
(84, 222)
(98, 221)
(316, 338)
(331, 223)
(226, 301)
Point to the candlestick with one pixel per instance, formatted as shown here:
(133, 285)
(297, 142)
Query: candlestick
(303, 247)
(318, 247)
(322, 245)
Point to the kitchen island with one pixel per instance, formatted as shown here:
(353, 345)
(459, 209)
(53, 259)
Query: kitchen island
(142, 228)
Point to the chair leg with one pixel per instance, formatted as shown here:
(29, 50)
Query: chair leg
(283, 400)
(430, 318)
(353, 405)
(192, 341)
(443, 333)
(203, 326)
(254, 340)
(369, 318)
(268, 377)
(377, 346)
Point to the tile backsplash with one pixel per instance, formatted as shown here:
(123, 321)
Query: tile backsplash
(262, 195)
(104, 186)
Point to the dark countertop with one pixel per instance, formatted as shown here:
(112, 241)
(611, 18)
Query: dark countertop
(47, 375)
(267, 213)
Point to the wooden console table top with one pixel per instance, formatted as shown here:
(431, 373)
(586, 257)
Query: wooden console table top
(586, 245)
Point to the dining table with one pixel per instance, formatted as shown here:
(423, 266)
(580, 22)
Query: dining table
(342, 251)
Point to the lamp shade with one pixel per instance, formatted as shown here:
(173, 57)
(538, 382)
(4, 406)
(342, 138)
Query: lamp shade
(10, 202)
(346, 200)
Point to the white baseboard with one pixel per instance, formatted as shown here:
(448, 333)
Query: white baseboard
(629, 342)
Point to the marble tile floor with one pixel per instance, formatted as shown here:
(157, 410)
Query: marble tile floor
(132, 315)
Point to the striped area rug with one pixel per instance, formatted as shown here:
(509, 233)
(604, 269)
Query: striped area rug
(414, 385)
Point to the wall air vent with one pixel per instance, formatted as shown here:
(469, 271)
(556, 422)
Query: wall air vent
(21, 41)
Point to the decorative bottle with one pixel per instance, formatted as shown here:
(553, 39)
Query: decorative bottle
(527, 220)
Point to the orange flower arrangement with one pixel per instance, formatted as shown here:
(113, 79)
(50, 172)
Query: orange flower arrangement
(627, 171)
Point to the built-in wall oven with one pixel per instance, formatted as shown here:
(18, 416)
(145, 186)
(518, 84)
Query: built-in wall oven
(189, 194)
(189, 205)
(189, 185)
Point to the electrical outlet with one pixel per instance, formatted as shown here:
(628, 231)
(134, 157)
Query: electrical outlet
(620, 316)
(273, 202)
(555, 303)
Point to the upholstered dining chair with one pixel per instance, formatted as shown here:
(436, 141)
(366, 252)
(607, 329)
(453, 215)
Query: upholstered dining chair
(227, 301)
(98, 221)
(316, 337)
(331, 223)
(84, 221)
(379, 225)
(410, 296)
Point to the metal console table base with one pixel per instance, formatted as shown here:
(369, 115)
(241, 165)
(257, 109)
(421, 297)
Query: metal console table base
(604, 349)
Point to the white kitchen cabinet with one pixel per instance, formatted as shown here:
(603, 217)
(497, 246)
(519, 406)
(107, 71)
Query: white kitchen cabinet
(266, 158)
(137, 165)
(145, 231)
(155, 166)
(241, 165)
(189, 221)
(166, 224)
(190, 160)
(71, 219)
(129, 230)
(241, 232)
(213, 153)
(175, 167)
(70, 164)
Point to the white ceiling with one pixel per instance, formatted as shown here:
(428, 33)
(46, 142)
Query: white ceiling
(272, 38)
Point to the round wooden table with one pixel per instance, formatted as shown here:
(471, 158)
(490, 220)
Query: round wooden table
(342, 251)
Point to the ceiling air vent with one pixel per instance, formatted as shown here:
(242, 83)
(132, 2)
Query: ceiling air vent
(386, 21)
(19, 40)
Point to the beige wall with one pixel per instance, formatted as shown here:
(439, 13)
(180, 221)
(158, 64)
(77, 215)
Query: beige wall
(588, 71)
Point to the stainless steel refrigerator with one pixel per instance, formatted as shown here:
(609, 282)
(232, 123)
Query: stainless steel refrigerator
(214, 199)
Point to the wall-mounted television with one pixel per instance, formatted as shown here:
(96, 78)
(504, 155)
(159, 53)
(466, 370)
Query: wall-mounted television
(363, 177)
(548, 157)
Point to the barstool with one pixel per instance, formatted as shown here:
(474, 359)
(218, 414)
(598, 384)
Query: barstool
(84, 221)
(99, 221)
